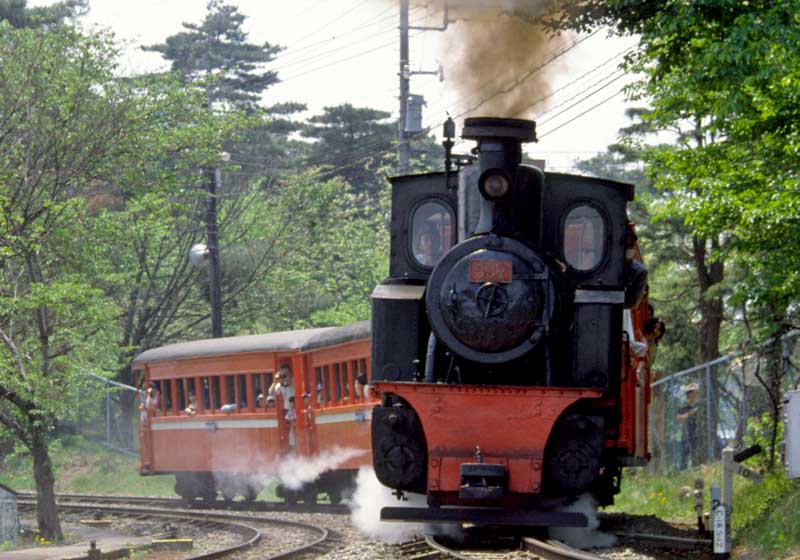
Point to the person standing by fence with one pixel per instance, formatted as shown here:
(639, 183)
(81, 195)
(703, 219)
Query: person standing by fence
(687, 417)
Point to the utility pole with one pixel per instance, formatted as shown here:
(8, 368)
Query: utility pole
(403, 135)
(215, 289)
(403, 147)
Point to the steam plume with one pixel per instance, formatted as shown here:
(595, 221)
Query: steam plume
(496, 56)
(584, 537)
(295, 471)
(370, 496)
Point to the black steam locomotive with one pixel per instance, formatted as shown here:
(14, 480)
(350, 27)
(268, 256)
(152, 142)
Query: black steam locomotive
(500, 344)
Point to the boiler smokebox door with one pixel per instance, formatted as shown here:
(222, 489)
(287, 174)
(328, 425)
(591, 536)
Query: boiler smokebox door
(490, 299)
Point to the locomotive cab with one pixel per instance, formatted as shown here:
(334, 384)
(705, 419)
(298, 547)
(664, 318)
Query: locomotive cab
(496, 340)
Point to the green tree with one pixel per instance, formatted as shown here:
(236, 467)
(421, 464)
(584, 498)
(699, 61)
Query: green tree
(353, 143)
(218, 47)
(77, 143)
(51, 312)
(17, 13)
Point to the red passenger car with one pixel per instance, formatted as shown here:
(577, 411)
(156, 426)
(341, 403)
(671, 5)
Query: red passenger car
(206, 415)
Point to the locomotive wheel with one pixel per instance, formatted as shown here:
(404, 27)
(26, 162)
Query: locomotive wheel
(228, 496)
(335, 497)
(573, 452)
(190, 486)
(310, 495)
(250, 495)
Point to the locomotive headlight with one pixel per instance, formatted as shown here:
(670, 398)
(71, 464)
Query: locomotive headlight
(494, 184)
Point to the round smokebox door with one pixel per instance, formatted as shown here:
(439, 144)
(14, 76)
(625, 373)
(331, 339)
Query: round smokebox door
(489, 304)
(485, 307)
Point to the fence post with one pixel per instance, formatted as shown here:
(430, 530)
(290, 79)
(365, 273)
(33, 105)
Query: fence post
(744, 400)
(785, 365)
(108, 413)
(78, 408)
(709, 428)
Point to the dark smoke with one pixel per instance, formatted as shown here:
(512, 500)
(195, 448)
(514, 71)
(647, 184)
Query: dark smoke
(492, 54)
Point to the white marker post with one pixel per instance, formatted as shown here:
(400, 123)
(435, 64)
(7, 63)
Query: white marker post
(722, 501)
(791, 418)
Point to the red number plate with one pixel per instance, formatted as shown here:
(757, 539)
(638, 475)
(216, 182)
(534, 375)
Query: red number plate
(490, 271)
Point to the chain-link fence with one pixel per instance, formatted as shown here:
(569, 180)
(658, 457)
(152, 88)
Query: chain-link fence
(105, 411)
(696, 412)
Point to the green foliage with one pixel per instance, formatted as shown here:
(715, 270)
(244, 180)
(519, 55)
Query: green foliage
(218, 46)
(329, 248)
(731, 67)
(766, 516)
(759, 432)
(353, 143)
(18, 14)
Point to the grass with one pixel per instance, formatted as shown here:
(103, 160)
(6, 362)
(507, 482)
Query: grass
(86, 467)
(766, 516)
(83, 466)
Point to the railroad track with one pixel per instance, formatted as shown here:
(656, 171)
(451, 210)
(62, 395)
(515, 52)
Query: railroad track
(432, 548)
(173, 503)
(316, 540)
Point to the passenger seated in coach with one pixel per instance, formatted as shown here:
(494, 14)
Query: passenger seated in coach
(229, 408)
(153, 400)
(191, 409)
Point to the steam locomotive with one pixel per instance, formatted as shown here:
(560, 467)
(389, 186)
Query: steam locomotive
(507, 344)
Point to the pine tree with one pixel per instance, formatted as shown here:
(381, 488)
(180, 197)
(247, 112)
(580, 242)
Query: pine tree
(17, 13)
(218, 46)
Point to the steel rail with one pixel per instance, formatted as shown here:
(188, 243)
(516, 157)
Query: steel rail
(555, 550)
(252, 535)
(442, 549)
(258, 505)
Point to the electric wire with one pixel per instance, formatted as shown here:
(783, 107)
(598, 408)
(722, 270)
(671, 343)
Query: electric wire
(326, 42)
(573, 82)
(576, 117)
(610, 80)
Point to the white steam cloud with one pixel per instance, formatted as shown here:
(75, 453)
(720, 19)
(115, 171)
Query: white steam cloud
(583, 537)
(370, 496)
(296, 470)
(293, 471)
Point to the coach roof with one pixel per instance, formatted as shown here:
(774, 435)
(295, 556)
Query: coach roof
(301, 340)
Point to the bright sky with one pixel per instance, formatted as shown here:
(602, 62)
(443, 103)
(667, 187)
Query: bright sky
(340, 51)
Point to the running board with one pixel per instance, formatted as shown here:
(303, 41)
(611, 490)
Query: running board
(488, 516)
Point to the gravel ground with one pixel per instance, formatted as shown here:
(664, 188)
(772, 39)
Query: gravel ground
(348, 543)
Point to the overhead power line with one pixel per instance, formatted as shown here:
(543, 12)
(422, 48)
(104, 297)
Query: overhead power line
(576, 117)
(613, 78)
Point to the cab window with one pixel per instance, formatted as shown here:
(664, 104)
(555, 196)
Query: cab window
(584, 238)
(431, 232)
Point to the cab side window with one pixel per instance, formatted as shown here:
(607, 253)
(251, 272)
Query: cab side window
(431, 232)
(584, 238)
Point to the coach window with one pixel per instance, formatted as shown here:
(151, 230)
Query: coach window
(337, 382)
(258, 390)
(181, 395)
(215, 393)
(431, 232)
(584, 238)
(318, 388)
(166, 396)
(326, 383)
(345, 381)
(241, 393)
